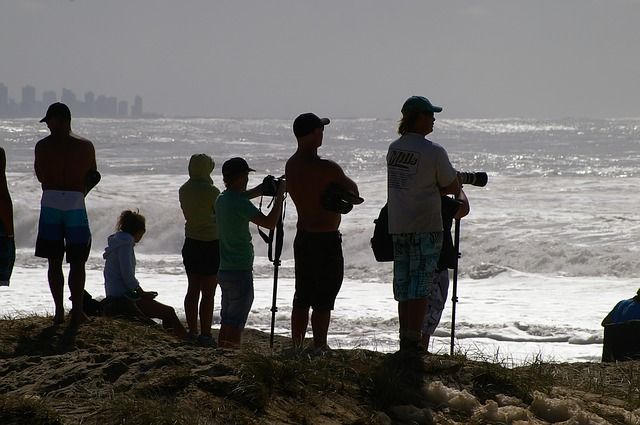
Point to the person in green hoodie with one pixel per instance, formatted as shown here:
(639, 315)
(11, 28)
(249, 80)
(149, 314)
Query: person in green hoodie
(201, 252)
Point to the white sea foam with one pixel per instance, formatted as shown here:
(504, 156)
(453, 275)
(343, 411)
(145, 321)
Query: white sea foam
(508, 315)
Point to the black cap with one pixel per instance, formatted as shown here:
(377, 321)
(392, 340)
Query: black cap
(419, 104)
(234, 167)
(57, 110)
(306, 123)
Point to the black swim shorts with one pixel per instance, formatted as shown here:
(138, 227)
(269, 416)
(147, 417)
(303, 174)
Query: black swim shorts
(201, 257)
(319, 269)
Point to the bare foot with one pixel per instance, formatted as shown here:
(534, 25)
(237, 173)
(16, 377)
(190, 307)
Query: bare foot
(228, 344)
(58, 319)
(77, 320)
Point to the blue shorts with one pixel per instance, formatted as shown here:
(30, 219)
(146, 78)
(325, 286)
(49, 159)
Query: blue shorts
(415, 259)
(237, 297)
(63, 227)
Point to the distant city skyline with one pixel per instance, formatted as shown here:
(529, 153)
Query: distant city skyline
(90, 106)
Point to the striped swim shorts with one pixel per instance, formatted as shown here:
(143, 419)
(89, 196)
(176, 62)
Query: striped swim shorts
(415, 259)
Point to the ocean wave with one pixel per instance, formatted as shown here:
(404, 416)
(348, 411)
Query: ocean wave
(505, 126)
(485, 271)
(518, 332)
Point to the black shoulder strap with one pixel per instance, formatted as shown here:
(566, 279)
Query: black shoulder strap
(279, 236)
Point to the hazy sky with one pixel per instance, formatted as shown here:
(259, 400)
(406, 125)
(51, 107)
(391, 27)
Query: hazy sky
(340, 58)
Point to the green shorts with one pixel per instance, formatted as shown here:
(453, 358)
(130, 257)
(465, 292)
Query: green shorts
(415, 259)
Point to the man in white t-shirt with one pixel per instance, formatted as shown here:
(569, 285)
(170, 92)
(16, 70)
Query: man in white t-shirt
(418, 173)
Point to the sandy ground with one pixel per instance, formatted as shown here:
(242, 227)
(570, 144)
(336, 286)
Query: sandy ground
(121, 372)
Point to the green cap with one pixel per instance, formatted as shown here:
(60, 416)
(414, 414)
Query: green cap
(419, 104)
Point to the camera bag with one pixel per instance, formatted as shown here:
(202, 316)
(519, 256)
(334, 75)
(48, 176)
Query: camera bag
(382, 242)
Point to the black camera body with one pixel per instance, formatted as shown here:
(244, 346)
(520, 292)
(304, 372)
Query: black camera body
(475, 179)
(270, 185)
(337, 199)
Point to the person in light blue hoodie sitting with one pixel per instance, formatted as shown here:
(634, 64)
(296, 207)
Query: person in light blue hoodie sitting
(120, 281)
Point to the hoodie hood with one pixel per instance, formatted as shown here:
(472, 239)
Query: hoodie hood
(116, 241)
(200, 167)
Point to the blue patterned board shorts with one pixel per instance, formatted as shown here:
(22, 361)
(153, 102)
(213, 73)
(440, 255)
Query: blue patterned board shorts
(63, 226)
(415, 259)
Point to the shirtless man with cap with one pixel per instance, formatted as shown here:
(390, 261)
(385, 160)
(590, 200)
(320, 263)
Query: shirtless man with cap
(318, 243)
(65, 165)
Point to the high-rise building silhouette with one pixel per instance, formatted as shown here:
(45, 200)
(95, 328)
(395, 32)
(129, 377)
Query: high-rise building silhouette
(136, 109)
(123, 109)
(69, 99)
(89, 104)
(112, 107)
(28, 104)
(100, 107)
(48, 98)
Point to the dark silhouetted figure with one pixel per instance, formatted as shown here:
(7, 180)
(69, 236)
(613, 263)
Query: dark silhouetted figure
(622, 331)
(65, 165)
(7, 243)
(418, 173)
(319, 264)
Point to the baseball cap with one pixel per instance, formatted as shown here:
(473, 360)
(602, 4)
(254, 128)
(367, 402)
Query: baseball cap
(306, 123)
(419, 104)
(235, 166)
(57, 110)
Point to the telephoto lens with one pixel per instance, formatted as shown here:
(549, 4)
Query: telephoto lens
(475, 179)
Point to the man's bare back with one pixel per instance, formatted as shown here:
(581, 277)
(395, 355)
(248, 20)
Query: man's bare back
(308, 177)
(62, 162)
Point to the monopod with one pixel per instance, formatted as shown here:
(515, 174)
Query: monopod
(454, 294)
(274, 257)
(476, 179)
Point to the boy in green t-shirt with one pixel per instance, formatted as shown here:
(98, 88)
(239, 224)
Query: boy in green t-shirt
(234, 211)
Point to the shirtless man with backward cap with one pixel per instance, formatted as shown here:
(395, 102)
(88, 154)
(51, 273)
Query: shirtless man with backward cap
(318, 243)
(65, 165)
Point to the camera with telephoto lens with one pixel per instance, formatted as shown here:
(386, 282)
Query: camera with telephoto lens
(475, 179)
(337, 199)
(270, 185)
